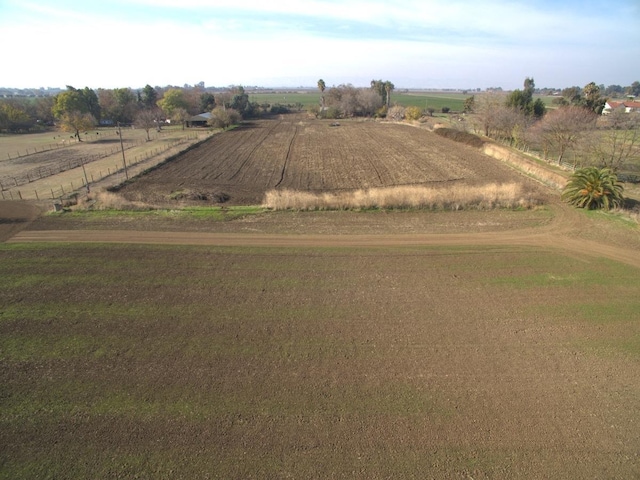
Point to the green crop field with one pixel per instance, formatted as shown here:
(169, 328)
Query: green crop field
(455, 101)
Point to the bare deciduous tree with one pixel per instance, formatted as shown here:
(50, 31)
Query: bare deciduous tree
(147, 119)
(565, 128)
(620, 141)
(486, 107)
(369, 101)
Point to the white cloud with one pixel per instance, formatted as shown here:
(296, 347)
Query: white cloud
(428, 43)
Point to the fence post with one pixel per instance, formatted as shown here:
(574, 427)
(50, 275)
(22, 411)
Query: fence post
(19, 195)
(36, 192)
(52, 195)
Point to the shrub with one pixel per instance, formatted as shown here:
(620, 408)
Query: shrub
(446, 109)
(412, 113)
(381, 112)
(224, 118)
(396, 113)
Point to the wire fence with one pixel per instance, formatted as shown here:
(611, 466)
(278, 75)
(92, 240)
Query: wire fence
(64, 142)
(41, 172)
(66, 189)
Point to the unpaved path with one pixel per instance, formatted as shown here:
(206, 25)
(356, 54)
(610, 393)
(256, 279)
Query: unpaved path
(564, 232)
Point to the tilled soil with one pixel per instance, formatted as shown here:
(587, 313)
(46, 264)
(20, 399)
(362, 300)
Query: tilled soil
(313, 357)
(297, 153)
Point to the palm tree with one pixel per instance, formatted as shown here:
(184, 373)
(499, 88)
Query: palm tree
(388, 87)
(321, 87)
(593, 188)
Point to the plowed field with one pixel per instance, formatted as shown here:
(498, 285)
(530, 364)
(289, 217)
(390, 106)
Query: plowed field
(311, 155)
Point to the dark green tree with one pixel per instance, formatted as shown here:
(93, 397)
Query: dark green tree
(388, 88)
(634, 89)
(149, 97)
(592, 99)
(207, 102)
(322, 86)
(522, 100)
(572, 95)
(539, 108)
(383, 89)
(240, 100)
(593, 188)
(469, 104)
(125, 105)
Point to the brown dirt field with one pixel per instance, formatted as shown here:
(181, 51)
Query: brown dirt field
(324, 344)
(102, 158)
(298, 153)
(289, 361)
(38, 165)
(16, 216)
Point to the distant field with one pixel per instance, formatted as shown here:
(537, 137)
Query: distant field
(423, 100)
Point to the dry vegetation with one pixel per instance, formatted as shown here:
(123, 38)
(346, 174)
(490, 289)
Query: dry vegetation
(453, 197)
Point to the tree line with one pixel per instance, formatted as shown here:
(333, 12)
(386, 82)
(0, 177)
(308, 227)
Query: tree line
(575, 131)
(77, 109)
(345, 100)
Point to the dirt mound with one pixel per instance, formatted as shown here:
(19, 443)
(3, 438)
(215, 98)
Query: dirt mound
(460, 137)
(209, 197)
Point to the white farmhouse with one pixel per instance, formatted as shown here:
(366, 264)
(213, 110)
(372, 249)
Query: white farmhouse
(628, 105)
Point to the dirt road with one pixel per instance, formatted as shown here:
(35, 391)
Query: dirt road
(564, 232)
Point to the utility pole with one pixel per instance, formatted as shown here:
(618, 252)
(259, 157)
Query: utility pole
(124, 160)
(86, 180)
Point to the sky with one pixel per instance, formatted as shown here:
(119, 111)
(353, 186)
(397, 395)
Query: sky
(462, 44)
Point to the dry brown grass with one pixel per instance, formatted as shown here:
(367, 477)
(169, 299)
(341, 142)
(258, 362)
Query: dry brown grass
(517, 161)
(105, 200)
(456, 197)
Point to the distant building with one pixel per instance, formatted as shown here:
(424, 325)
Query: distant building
(628, 105)
(199, 120)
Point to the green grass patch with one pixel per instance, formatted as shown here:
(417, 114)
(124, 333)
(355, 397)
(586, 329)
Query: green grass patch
(425, 101)
(617, 217)
(600, 313)
(213, 213)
